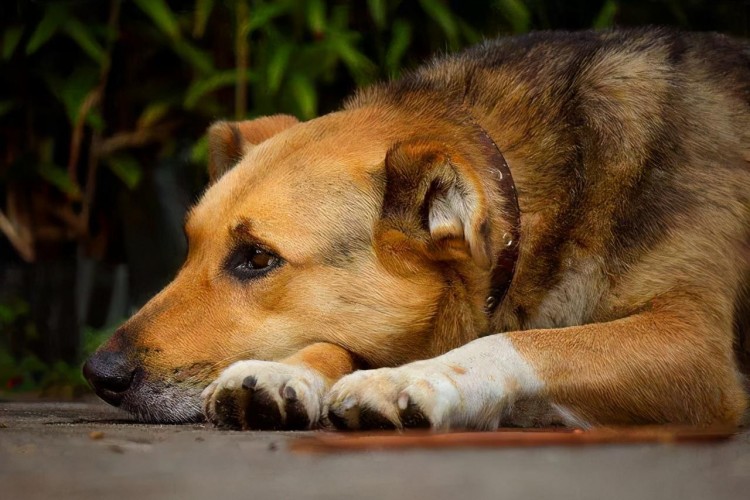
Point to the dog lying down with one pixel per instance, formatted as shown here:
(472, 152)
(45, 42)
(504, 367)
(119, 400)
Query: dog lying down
(545, 229)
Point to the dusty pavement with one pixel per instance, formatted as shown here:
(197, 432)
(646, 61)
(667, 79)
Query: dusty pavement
(88, 450)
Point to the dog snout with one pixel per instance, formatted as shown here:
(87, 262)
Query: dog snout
(110, 374)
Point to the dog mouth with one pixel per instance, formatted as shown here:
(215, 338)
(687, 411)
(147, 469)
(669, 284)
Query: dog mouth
(150, 397)
(155, 401)
(162, 402)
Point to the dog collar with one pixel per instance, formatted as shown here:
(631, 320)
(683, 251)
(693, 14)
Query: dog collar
(504, 267)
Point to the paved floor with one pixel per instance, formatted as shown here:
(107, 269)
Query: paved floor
(88, 450)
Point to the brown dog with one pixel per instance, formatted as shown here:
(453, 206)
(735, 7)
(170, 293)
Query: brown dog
(373, 237)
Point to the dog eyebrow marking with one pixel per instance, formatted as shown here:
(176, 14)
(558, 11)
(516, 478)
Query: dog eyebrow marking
(241, 233)
(243, 229)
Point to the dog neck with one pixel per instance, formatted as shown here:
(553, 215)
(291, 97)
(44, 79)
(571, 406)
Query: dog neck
(506, 257)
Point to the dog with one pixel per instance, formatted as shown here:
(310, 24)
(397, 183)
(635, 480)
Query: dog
(548, 229)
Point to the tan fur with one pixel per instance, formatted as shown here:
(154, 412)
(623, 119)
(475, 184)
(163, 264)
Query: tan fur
(626, 315)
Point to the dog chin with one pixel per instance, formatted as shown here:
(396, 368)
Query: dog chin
(164, 404)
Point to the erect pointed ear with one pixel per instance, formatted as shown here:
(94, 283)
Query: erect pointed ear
(435, 197)
(229, 141)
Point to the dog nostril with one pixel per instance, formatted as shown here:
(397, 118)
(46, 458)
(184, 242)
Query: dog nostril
(110, 375)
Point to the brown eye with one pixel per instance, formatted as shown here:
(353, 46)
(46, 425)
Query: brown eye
(251, 261)
(261, 259)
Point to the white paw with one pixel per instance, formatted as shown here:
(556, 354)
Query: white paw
(265, 395)
(422, 394)
(472, 387)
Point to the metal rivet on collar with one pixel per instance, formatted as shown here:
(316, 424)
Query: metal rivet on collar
(490, 302)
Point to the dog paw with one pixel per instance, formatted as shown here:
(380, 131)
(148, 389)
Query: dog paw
(424, 394)
(265, 395)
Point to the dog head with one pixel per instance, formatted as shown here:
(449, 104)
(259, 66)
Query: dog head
(359, 228)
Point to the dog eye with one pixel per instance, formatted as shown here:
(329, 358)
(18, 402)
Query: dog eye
(252, 262)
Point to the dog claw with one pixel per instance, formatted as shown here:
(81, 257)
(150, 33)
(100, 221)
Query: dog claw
(249, 382)
(348, 403)
(290, 394)
(403, 401)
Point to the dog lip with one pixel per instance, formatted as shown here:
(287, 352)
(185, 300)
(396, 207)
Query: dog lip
(154, 400)
(110, 397)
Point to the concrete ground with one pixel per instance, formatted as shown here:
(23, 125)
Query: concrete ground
(89, 450)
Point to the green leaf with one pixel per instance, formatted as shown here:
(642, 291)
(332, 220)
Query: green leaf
(198, 59)
(517, 13)
(305, 95)
(203, 9)
(203, 86)
(6, 106)
(377, 12)
(46, 150)
(58, 177)
(277, 65)
(80, 34)
(360, 67)
(32, 363)
(316, 16)
(470, 34)
(161, 15)
(11, 37)
(72, 90)
(340, 17)
(606, 17)
(262, 14)
(400, 41)
(95, 120)
(440, 13)
(199, 151)
(12, 309)
(152, 114)
(126, 168)
(55, 15)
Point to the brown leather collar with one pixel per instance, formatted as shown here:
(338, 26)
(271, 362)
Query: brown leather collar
(506, 258)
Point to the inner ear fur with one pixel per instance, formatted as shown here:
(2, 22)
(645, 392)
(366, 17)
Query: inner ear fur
(436, 199)
(229, 141)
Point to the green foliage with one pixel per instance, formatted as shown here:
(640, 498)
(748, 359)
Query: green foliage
(292, 56)
(606, 17)
(517, 13)
(25, 372)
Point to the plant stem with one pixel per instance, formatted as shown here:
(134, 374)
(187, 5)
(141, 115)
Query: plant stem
(23, 247)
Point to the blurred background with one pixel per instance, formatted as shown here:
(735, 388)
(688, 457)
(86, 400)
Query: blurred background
(103, 105)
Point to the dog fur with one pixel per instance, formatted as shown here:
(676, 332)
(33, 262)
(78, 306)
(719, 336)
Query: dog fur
(630, 152)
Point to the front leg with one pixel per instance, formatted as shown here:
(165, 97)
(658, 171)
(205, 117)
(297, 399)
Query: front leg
(653, 367)
(468, 387)
(270, 395)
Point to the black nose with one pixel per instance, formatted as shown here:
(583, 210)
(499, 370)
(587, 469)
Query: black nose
(110, 374)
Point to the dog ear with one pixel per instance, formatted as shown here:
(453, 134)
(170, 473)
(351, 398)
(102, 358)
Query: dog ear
(229, 141)
(435, 198)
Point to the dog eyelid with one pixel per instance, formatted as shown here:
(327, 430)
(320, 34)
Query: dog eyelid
(251, 261)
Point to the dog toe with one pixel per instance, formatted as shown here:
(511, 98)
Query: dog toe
(262, 411)
(411, 414)
(265, 395)
(365, 400)
(412, 396)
